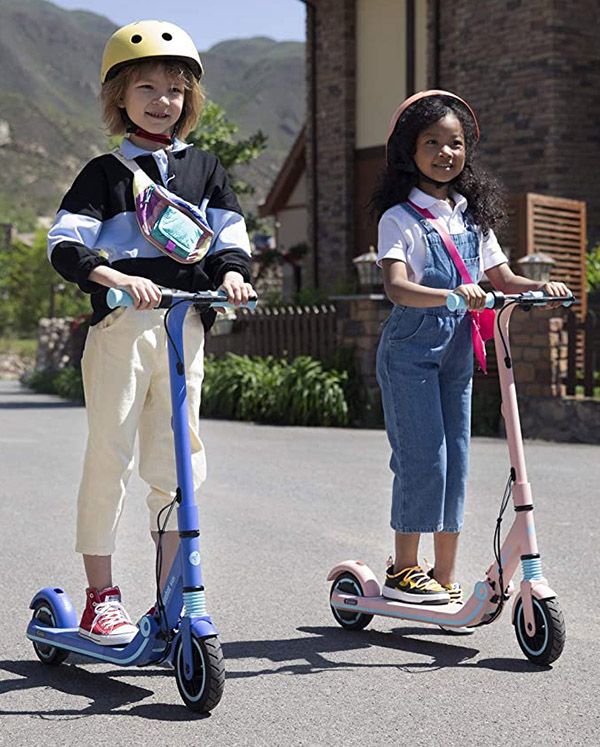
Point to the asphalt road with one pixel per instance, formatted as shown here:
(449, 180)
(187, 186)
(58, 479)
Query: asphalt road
(281, 506)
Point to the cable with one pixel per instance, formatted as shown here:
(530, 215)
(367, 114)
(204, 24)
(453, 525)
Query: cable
(500, 593)
(180, 367)
(507, 359)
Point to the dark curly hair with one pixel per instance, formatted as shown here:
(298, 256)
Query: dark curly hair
(484, 194)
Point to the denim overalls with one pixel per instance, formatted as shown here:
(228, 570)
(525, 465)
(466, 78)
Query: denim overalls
(425, 372)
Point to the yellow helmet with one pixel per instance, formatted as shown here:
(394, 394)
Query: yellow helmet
(145, 40)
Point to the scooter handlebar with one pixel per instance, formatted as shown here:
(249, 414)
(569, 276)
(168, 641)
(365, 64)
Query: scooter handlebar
(117, 297)
(496, 299)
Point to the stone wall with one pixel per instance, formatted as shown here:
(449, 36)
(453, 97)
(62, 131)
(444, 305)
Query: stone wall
(539, 355)
(60, 343)
(359, 324)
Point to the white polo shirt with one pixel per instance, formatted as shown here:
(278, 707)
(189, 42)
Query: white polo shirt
(401, 236)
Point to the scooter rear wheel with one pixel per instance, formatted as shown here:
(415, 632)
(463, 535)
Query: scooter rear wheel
(204, 690)
(50, 655)
(347, 583)
(548, 641)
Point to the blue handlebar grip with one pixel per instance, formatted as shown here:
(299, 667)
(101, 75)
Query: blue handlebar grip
(117, 297)
(217, 303)
(456, 301)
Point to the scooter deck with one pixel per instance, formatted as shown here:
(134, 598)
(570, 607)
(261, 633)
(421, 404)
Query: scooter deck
(70, 640)
(451, 614)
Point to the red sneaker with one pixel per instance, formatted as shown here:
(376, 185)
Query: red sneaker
(105, 620)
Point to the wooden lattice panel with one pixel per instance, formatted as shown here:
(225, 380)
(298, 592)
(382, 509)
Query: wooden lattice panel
(553, 226)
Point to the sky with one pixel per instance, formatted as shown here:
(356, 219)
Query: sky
(207, 21)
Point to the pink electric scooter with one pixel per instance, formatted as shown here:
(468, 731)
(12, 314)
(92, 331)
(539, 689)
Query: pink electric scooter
(538, 620)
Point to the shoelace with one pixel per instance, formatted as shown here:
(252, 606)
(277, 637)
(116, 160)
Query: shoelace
(421, 579)
(417, 575)
(454, 590)
(110, 614)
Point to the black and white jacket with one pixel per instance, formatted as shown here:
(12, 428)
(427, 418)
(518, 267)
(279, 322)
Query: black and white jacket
(97, 225)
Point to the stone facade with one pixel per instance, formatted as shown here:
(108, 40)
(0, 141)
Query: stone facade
(60, 343)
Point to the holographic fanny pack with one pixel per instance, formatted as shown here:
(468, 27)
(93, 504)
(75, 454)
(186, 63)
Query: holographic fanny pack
(174, 226)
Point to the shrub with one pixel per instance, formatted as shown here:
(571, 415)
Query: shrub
(69, 384)
(268, 390)
(65, 382)
(265, 390)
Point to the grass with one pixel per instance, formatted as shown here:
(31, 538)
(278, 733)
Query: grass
(24, 348)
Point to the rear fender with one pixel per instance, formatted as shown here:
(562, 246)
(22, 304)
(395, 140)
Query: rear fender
(62, 607)
(366, 578)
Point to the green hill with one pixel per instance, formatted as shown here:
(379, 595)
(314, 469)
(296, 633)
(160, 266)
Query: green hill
(49, 110)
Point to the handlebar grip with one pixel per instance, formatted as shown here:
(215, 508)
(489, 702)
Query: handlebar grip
(117, 297)
(252, 303)
(541, 294)
(456, 301)
(495, 300)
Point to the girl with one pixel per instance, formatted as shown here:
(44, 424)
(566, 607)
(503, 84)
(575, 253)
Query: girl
(151, 92)
(425, 356)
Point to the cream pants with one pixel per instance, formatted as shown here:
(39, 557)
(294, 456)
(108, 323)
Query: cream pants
(126, 382)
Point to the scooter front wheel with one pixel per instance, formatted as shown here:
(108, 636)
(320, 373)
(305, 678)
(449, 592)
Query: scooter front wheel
(347, 583)
(50, 655)
(548, 641)
(204, 690)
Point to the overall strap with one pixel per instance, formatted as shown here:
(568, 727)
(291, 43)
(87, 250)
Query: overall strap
(447, 241)
(415, 213)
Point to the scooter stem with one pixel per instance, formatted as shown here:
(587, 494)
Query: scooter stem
(510, 407)
(187, 511)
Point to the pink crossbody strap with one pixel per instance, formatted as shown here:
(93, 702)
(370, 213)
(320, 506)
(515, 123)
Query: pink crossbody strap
(476, 317)
(448, 242)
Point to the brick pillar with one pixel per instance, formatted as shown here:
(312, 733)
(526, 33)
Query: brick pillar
(335, 124)
(538, 353)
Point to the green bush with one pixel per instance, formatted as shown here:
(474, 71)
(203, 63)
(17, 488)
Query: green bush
(268, 390)
(69, 384)
(264, 390)
(593, 268)
(65, 382)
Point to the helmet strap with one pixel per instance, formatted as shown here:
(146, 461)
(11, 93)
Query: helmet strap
(141, 132)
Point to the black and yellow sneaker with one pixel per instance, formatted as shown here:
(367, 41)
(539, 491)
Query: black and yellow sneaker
(455, 592)
(413, 585)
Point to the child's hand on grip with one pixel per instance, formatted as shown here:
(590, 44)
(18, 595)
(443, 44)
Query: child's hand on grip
(473, 294)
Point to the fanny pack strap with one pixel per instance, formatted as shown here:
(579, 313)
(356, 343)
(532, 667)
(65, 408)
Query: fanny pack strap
(135, 168)
(129, 162)
(447, 241)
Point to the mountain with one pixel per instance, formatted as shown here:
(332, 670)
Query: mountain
(50, 115)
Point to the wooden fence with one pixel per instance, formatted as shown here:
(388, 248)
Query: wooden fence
(287, 332)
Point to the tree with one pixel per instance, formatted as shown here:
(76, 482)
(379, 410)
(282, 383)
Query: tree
(30, 288)
(216, 133)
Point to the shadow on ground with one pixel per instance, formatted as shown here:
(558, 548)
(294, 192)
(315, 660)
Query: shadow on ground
(304, 655)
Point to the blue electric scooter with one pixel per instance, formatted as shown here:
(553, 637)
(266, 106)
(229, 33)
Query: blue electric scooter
(178, 628)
